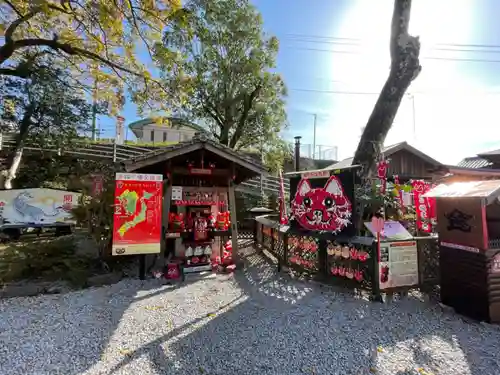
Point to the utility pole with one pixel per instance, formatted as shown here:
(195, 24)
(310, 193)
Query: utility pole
(94, 111)
(262, 161)
(314, 137)
(413, 117)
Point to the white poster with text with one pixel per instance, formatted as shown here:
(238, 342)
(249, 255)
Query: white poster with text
(398, 265)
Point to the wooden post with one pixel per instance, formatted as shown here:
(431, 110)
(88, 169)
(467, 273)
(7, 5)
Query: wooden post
(142, 266)
(167, 196)
(167, 200)
(234, 222)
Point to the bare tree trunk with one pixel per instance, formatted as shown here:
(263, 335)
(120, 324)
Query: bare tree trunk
(405, 67)
(14, 160)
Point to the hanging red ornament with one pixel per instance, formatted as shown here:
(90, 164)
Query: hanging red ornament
(400, 193)
(382, 175)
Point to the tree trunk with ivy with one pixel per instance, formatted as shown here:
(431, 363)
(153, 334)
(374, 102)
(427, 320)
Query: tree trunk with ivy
(405, 67)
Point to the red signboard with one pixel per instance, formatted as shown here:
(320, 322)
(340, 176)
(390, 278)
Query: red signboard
(137, 215)
(97, 185)
(316, 174)
(197, 203)
(424, 207)
(200, 171)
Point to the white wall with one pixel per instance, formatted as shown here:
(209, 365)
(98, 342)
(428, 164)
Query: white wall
(172, 134)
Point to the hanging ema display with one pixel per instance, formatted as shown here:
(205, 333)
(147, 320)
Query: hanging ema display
(324, 204)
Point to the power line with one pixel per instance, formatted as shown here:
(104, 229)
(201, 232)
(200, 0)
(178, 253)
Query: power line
(422, 57)
(359, 41)
(343, 92)
(446, 48)
(409, 95)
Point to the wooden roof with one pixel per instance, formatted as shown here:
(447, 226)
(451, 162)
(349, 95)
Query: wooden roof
(467, 171)
(329, 168)
(487, 190)
(388, 151)
(244, 164)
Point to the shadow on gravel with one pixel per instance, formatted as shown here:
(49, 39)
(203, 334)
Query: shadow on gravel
(280, 326)
(277, 326)
(89, 319)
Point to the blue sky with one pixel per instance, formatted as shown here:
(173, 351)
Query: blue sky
(334, 58)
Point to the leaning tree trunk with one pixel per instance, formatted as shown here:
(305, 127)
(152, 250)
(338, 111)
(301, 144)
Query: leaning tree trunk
(14, 159)
(405, 67)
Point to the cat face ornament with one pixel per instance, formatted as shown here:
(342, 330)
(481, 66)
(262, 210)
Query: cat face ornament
(323, 209)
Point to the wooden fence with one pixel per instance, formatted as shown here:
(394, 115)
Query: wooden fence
(348, 262)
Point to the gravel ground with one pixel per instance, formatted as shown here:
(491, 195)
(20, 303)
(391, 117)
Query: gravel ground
(253, 323)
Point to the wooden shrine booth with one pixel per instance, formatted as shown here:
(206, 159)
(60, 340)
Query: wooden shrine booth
(468, 225)
(199, 179)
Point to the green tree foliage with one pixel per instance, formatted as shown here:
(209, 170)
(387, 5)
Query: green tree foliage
(100, 40)
(44, 110)
(225, 60)
(276, 153)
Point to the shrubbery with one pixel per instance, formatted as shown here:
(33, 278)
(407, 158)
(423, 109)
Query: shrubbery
(48, 259)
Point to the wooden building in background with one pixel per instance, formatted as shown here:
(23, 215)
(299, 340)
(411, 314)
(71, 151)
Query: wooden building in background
(405, 161)
(484, 166)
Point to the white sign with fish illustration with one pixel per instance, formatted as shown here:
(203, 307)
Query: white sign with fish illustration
(37, 206)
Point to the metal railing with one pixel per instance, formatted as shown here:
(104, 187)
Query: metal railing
(114, 152)
(82, 149)
(269, 185)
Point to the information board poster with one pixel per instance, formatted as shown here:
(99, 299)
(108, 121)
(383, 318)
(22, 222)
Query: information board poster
(38, 206)
(137, 215)
(398, 264)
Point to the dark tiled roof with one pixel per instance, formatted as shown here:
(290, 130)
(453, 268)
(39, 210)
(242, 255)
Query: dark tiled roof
(490, 153)
(474, 162)
(199, 138)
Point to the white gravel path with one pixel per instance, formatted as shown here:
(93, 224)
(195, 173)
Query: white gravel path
(255, 323)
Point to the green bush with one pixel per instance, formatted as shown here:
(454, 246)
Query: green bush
(47, 259)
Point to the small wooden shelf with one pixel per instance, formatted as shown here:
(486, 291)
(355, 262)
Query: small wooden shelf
(211, 233)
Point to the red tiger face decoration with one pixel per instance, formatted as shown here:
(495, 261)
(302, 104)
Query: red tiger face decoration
(325, 209)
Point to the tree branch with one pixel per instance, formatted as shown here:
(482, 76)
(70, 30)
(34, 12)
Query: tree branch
(247, 106)
(70, 50)
(15, 24)
(213, 113)
(16, 72)
(13, 8)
